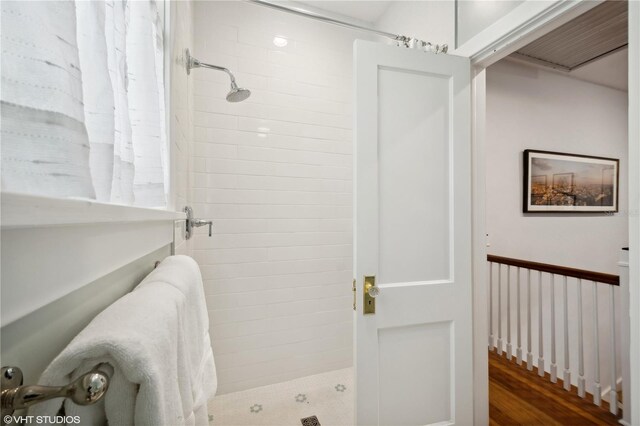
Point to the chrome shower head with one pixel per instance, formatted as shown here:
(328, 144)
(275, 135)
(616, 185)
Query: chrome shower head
(236, 94)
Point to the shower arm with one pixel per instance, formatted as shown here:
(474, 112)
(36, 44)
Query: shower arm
(194, 63)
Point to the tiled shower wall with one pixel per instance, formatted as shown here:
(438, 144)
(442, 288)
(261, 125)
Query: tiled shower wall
(180, 112)
(275, 175)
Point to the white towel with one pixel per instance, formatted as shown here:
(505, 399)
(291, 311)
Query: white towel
(154, 344)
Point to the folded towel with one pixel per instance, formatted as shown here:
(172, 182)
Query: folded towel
(183, 273)
(154, 344)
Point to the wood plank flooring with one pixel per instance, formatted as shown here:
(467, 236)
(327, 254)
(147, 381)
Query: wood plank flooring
(518, 396)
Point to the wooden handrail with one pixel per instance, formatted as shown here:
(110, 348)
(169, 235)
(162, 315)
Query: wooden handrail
(558, 270)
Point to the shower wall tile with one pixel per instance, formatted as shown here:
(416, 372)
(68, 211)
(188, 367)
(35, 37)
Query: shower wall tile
(222, 121)
(275, 174)
(180, 116)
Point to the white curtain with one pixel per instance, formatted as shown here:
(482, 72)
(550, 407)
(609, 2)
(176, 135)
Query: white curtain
(83, 100)
(45, 147)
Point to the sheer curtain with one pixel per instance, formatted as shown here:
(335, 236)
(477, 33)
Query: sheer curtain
(82, 101)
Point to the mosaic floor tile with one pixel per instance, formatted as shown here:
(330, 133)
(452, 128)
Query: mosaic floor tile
(326, 397)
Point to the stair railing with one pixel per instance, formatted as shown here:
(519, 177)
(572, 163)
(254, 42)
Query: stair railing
(543, 279)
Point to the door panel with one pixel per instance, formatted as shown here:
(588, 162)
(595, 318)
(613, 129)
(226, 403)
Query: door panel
(413, 212)
(405, 395)
(419, 252)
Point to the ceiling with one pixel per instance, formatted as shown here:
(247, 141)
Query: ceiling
(590, 47)
(363, 10)
(611, 71)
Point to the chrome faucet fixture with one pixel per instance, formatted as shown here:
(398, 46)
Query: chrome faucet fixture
(191, 223)
(236, 94)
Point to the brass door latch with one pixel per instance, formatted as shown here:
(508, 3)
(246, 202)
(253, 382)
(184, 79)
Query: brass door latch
(371, 291)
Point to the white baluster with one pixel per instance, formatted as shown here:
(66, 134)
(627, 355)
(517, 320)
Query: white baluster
(519, 330)
(509, 347)
(499, 309)
(554, 366)
(581, 383)
(529, 354)
(566, 376)
(491, 306)
(597, 388)
(540, 335)
(613, 395)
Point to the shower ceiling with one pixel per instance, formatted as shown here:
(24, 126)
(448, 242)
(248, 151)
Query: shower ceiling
(595, 34)
(365, 11)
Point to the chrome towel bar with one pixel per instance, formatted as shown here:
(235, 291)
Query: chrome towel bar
(86, 390)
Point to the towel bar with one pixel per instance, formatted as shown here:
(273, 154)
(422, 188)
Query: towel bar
(86, 390)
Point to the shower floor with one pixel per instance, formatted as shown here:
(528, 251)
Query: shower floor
(328, 396)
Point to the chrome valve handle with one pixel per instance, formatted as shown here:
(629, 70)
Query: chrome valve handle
(196, 223)
(191, 223)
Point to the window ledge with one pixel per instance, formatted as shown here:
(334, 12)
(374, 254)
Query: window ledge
(23, 211)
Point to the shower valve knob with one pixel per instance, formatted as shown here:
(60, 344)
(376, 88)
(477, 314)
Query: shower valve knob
(191, 223)
(200, 222)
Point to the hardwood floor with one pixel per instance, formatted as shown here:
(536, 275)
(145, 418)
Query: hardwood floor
(518, 396)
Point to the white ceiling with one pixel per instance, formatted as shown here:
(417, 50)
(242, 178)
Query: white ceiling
(363, 10)
(611, 71)
(590, 47)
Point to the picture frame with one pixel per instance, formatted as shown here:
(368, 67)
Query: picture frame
(556, 182)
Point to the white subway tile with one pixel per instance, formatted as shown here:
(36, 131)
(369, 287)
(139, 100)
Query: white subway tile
(215, 150)
(310, 252)
(241, 167)
(277, 338)
(219, 256)
(307, 362)
(255, 66)
(312, 171)
(271, 197)
(214, 180)
(294, 156)
(223, 121)
(262, 283)
(279, 183)
(281, 233)
(286, 59)
(241, 314)
(274, 173)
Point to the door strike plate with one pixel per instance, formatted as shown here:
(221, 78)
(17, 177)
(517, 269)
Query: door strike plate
(353, 289)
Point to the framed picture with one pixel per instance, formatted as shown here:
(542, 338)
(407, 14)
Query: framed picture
(559, 182)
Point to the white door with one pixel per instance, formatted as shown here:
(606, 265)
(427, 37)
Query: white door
(413, 357)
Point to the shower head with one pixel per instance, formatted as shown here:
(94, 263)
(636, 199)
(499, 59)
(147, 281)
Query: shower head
(236, 94)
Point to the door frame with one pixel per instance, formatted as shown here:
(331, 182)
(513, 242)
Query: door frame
(515, 30)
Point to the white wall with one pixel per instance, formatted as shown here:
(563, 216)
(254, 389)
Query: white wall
(275, 174)
(180, 112)
(475, 16)
(530, 108)
(432, 21)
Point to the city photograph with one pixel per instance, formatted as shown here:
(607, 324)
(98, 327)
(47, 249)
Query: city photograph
(557, 182)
